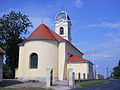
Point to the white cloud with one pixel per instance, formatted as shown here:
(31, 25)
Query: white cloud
(106, 24)
(106, 54)
(108, 34)
(112, 35)
(105, 50)
(79, 3)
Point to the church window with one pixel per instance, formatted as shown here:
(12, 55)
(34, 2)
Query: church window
(33, 61)
(61, 30)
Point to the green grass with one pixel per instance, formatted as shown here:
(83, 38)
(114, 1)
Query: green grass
(24, 89)
(89, 83)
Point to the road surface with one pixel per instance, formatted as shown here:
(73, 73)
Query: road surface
(110, 85)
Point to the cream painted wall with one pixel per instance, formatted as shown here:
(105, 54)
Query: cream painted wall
(61, 60)
(51, 54)
(64, 49)
(80, 68)
(47, 57)
(20, 71)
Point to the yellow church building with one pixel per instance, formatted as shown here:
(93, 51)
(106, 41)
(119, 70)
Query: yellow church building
(45, 48)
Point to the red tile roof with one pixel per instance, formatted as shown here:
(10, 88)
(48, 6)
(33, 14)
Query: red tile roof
(43, 32)
(76, 59)
(1, 51)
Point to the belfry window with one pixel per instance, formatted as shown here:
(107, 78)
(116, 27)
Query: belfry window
(61, 30)
(33, 61)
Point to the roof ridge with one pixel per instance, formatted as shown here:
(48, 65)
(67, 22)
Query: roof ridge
(77, 59)
(53, 34)
(56, 35)
(43, 31)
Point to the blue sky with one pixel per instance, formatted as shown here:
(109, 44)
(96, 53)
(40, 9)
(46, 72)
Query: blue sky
(95, 24)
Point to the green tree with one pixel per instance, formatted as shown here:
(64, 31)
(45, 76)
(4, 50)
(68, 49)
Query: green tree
(12, 28)
(116, 72)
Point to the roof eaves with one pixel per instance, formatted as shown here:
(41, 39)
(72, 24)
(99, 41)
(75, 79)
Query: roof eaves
(77, 62)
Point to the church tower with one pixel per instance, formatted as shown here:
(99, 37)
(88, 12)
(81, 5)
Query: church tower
(63, 25)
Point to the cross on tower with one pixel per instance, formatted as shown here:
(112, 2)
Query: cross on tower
(42, 20)
(63, 8)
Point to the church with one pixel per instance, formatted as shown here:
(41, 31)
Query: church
(45, 48)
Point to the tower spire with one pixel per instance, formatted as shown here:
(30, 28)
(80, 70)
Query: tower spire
(63, 25)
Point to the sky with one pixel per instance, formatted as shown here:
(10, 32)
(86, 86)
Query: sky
(95, 25)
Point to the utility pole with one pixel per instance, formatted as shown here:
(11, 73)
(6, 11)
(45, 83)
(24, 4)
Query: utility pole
(93, 55)
(97, 72)
(107, 72)
(94, 67)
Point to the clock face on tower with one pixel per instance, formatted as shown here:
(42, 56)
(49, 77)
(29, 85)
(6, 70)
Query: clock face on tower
(61, 16)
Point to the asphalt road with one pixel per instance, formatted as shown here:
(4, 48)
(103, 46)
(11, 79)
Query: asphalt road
(110, 85)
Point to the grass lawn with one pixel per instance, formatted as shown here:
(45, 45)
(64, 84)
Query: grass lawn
(89, 83)
(24, 89)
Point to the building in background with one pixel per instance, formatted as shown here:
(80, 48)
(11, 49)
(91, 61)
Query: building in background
(2, 52)
(45, 48)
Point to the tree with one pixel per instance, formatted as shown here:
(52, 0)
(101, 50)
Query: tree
(12, 28)
(116, 72)
(119, 63)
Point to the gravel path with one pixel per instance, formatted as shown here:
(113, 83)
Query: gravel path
(19, 84)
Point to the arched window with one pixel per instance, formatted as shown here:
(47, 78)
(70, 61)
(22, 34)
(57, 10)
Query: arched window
(33, 61)
(61, 30)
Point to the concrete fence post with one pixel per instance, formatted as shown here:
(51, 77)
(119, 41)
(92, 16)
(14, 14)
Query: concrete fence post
(70, 77)
(49, 77)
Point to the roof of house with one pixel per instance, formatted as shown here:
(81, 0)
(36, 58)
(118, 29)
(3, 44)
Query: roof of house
(76, 59)
(43, 32)
(1, 51)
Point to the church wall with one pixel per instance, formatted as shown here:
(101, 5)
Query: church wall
(79, 68)
(47, 52)
(64, 49)
(70, 50)
(20, 63)
(61, 60)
